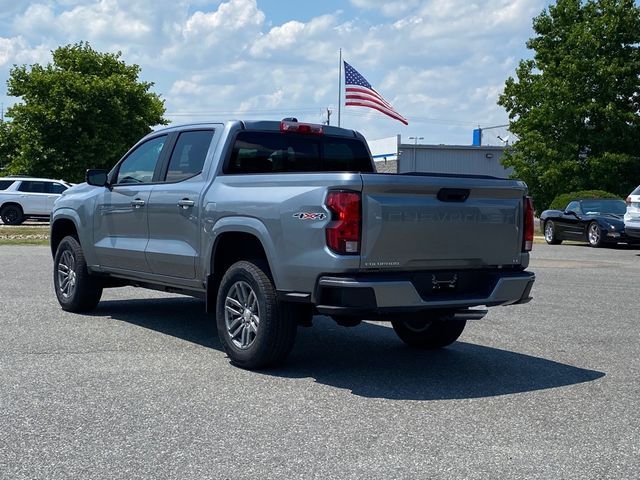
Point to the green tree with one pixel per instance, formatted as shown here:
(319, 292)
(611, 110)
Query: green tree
(8, 147)
(575, 106)
(85, 109)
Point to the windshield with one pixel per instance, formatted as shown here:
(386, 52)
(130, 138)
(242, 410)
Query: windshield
(603, 207)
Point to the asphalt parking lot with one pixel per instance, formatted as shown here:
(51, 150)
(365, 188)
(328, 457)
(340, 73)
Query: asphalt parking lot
(141, 388)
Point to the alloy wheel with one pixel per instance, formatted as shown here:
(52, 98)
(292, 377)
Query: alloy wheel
(548, 232)
(242, 314)
(594, 234)
(67, 274)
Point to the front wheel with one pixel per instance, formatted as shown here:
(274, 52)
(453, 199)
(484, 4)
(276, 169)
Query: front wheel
(594, 235)
(255, 329)
(76, 289)
(428, 334)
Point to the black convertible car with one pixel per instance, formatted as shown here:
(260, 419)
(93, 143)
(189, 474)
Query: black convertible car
(595, 221)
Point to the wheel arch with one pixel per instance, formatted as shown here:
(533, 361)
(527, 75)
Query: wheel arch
(63, 224)
(249, 232)
(231, 247)
(232, 242)
(12, 203)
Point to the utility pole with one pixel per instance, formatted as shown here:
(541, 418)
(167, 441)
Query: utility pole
(329, 112)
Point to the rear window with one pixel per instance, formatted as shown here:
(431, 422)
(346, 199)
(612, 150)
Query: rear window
(269, 152)
(4, 184)
(56, 188)
(636, 191)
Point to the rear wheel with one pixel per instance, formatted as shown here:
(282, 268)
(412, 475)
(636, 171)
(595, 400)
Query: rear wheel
(76, 289)
(429, 334)
(255, 329)
(12, 215)
(594, 235)
(550, 235)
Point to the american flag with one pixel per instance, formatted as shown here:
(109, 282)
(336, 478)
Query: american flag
(360, 93)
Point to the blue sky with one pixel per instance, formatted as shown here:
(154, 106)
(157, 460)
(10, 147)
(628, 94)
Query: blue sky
(441, 63)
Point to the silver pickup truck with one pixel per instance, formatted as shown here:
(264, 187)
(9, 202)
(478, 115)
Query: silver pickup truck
(274, 222)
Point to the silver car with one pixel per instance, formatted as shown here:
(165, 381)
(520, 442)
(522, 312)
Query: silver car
(632, 217)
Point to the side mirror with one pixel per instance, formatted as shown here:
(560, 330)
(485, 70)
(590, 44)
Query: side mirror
(567, 212)
(97, 178)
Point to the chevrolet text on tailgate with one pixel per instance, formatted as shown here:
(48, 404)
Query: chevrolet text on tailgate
(274, 222)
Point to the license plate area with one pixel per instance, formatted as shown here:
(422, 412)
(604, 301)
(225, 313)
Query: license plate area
(439, 285)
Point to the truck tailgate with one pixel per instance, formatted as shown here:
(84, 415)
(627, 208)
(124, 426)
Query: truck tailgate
(423, 222)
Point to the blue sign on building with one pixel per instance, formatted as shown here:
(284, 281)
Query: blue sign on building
(477, 137)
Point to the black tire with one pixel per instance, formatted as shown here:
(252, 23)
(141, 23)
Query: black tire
(549, 232)
(428, 334)
(12, 215)
(82, 292)
(249, 343)
(594, 235)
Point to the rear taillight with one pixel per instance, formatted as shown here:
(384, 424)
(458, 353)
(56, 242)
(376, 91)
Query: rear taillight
(527, 240)
(287, 126)
(343, 232)
(628, 200)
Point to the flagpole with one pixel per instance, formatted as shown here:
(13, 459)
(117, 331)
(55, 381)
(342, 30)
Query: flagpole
(339, 87)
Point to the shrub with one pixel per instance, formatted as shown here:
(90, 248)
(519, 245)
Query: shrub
(562, 200)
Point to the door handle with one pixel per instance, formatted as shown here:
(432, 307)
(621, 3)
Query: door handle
(137, 203)
(186, 203)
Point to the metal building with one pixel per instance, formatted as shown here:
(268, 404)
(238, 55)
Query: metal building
(484, 160)
(411, 157)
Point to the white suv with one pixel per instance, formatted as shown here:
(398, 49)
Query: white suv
(28, 197)
(632, 217)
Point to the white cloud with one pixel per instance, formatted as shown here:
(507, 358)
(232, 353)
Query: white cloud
(306, 40)
(278, 38)
(186, 87)
(107, 19)
(233, 16)
(15, 50)
(207, 38)
(388, 8)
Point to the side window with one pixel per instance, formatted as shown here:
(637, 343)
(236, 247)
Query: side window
(188, 155)
(4, 184)
(33, 187)
(56, 188)
(139, 166)
(573, 207)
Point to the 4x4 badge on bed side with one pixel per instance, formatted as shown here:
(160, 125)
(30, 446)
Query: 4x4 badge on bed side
(310, 216)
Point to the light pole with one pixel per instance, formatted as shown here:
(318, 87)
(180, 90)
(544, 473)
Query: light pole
(416, 139)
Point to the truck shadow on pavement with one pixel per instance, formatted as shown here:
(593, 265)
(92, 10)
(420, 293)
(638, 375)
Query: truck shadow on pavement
(369, 360)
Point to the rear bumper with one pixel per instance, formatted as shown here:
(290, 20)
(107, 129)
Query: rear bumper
(377, 295)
